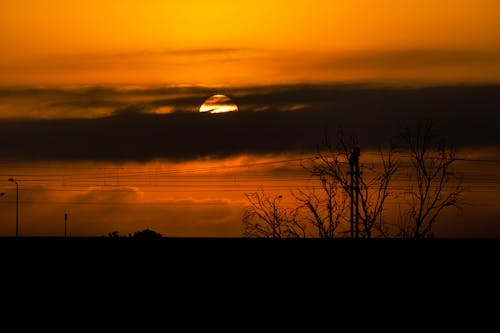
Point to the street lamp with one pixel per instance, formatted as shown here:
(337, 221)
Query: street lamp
(17, 205)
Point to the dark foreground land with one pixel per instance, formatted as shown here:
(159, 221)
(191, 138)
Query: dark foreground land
(237, 250)
(292, 267)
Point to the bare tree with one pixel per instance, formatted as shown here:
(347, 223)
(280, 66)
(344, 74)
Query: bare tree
(433, 185)
(265, 216)
(334, 164)
(324, 209)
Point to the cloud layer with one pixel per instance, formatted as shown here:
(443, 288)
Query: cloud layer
(272, 119)
(236, 66)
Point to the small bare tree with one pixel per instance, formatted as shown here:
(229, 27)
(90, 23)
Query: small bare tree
(333, 164)
(266, 217)
(324, 209)
(433, 185)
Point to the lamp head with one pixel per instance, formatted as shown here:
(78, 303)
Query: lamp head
(11, 179)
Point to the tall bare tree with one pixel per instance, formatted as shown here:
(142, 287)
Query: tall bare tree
(333, 164)
(433, 184)
(267, 217)
(323, 209)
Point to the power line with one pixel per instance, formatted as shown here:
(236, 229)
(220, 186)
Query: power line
(478, 160)
(73, 176)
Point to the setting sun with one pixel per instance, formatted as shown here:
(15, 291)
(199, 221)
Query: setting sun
(218, 104)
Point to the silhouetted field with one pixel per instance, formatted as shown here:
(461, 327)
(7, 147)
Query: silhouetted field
(103, 260)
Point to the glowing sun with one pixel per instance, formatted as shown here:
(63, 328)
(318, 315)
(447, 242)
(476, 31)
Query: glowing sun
(218, 104)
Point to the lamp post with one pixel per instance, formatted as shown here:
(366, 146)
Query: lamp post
(17, 205)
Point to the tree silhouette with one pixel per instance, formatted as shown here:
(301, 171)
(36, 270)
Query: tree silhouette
(147, 234)
(333, 165)
(265, 216)
(433, 185)
(113, 234)
(324, 209)
(142, 234)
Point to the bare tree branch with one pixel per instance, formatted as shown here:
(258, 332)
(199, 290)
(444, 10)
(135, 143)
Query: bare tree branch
(266, 217)
(324, 210)
(332, 164)
(433, 186)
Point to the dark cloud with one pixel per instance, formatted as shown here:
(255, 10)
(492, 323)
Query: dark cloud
(93, 102)
(466, 115)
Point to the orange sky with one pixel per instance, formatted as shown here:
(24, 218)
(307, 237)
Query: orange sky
(215, 43)
(198, 198)
(224, 42)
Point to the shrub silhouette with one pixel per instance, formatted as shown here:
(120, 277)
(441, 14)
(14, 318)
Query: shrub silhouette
(147, 234)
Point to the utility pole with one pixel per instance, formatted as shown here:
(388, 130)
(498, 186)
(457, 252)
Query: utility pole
(354, 165)
(351, 194)
(65, 224)
(356, 174)
(12, 180)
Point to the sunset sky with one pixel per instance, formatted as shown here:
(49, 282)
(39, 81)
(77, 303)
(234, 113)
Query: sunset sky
(247, 42)
(99, 104)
